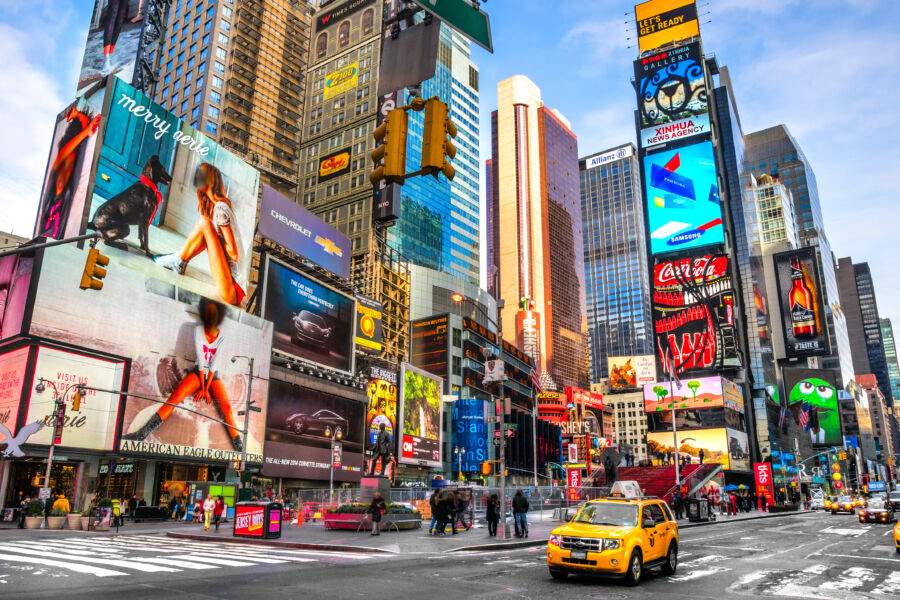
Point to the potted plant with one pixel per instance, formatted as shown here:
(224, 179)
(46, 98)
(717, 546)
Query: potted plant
(57, 518)
(74, 519)
(355, 516)
(86, 518)
(34, 514)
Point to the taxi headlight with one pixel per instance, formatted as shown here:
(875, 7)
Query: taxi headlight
(554, 540)
(610, 544)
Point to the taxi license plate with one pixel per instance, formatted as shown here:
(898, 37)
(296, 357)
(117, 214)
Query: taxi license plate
(579, 554)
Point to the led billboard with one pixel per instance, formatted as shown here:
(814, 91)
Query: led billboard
(311, 321)
(812, 398)
(172, 337)
(672, 95)
(661, 22)
(381, 391)
(683, 207)
(631, 372)
(420, 414)
(12, 380)
(712, 442)
(369, 326)
(700, 392)
(700, 418)
(301, 425)
(693, 314)
(470, 440)
(429, 344)
(802, 304)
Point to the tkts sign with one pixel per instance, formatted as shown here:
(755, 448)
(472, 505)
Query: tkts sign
(693, 314)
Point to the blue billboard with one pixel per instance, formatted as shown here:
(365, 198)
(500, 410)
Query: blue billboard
(469, 435)
(683, 198)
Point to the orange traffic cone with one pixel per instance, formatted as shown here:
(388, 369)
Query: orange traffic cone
(299, 521)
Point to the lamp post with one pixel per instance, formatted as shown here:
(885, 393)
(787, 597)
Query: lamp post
(59, 411)
(335, 449)
(246, 412)
(459, 452)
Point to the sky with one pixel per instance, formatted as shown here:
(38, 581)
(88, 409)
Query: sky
(827, 72)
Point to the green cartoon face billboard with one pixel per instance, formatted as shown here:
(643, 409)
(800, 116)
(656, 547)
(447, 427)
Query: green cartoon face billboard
(813, 401)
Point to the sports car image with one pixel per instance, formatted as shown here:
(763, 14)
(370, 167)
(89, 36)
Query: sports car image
(310, 330)
(323, 422)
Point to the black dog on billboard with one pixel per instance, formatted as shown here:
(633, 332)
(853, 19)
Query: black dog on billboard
(136, 205)
(204, 382)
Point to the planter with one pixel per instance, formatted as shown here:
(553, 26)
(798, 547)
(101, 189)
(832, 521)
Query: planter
(56, 522)
(74, 520)
(85, 522)
(34, 522)
(361, 522)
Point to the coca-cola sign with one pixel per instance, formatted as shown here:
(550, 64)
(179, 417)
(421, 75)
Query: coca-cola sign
(693, 314)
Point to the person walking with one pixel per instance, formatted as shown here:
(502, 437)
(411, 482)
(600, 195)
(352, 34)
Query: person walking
(462, 505)
(520, 513)
(493, 515)
(678, 504)
(377, 508)
(433, 503)
(197, 511)
(442, 515)
(209, 505)
(132, 506)
(763, 503)
(23, 509)
(701, 454)
(218, 510)
(450, 502)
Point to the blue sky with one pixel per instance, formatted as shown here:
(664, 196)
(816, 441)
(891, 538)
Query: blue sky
(829, 73)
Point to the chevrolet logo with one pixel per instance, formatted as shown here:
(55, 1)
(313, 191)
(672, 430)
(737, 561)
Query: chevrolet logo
(329, 246)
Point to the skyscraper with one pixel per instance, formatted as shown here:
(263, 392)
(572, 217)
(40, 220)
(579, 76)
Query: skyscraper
(536, 261)
(235, 72)
(774, 151)
(890, 354)
(616, 277)
(863, 323)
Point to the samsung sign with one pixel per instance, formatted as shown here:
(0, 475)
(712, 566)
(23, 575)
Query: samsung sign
(606, 157)
(298, 230)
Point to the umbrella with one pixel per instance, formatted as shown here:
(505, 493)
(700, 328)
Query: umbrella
(730, 487)
(743, 487)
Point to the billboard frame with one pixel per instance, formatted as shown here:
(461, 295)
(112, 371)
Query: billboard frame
(401, 417)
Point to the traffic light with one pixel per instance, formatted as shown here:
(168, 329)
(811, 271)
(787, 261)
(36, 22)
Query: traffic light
(485, 468)
(836, 476)
(76, 400)
(437, 150)
(236, 465)
(93, 270)
(391, 148)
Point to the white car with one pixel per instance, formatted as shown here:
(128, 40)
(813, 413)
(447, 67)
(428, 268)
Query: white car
(817, 503)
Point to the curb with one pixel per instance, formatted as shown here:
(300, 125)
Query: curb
(500, 546)
(279, 544)
(767, 516)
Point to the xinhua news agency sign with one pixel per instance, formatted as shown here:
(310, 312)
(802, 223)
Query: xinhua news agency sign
(298, 230)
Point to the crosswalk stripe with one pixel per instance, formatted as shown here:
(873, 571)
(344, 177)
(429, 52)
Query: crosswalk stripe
(78, 568)
(850, 579)
(250, 559)
(228, 562)
(239, 551)
(890, 586)
(172, 562)
(698, 573)
(245, 548)
(108, 562)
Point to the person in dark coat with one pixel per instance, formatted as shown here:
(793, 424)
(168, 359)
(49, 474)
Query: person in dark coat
(462, 505)
(678, 504)
(701, 454)
(433, 503)
(520, 513)
(493, 514)
(377, 508)
(450, 502)
(442, 515)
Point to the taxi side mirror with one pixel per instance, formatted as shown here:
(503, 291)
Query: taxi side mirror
(569, 515)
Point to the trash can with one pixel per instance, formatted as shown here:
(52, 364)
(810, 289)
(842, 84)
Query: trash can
(698, 509)
(257, 519)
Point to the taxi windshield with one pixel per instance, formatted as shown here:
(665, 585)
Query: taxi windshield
(846, 499)
(607, 513)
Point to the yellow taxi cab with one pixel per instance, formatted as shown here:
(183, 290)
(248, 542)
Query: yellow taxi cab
(859, 501)
(829, 500)
(617, 537)
(897, 537)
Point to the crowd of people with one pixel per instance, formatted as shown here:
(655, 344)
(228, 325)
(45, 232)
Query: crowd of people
(448, 508)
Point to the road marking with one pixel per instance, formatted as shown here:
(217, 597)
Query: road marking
(702, 560)
(172, 562)
(890, 585)
(735, 548)
(105, 561)
(848, 532)
(893, 560)
(227, 562)
(850, 579)
(71, 566)
(698, 573)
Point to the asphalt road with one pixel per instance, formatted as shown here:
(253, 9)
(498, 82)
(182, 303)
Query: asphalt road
(805, 556)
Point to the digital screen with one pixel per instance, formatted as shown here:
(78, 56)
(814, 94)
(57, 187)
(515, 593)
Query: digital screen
(420, 410)
(802, 304)
(429, 344)
(470, 439)
(661, 22)
(311, 321)
(381, 410)
(812, 399)
(631, 372)
(683, 198)
(693, 393)
(713, 443)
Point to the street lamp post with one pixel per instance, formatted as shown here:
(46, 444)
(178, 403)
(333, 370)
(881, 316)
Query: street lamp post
(458, 452)
(59, 401)
(246, 412)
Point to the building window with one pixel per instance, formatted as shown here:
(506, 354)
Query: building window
(220, 52)
(217, 82)
(219, 67)
(223, 39)
(198, 96)
(195, 113)
(213, 112)
(224, 25)
(215, 97)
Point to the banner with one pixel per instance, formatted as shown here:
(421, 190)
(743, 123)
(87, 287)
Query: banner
(369, 325)
(802, 303)
(661, 22)
(334, 165)
(764, 486)
(290, 225)
(812, 398)
(311, 321)
(342, 80)
(631, 372)
(420, 414)
(693, 314)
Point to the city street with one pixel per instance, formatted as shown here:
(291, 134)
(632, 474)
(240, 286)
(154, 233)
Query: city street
(813, 555)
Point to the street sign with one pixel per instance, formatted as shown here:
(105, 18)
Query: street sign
(463, 17)
(44, 494)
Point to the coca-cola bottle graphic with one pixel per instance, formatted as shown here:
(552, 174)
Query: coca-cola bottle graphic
(803, 314)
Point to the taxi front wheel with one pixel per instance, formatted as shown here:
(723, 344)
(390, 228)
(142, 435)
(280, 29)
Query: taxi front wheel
(635, 568)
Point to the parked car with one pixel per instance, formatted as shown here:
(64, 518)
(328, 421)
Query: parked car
(310, 330)
(323, 422)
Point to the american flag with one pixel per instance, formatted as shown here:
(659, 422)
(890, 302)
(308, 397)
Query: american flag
(782, 418)
(805, 409)
(536, 381)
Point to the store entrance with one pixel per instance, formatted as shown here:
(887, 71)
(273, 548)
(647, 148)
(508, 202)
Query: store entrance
(117, 480)
(62, 479)
(172, 480)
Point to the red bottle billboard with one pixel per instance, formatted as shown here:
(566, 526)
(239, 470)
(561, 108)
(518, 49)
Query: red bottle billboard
(802, 304)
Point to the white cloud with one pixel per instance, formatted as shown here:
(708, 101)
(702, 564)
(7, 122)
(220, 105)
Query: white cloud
(30, 103)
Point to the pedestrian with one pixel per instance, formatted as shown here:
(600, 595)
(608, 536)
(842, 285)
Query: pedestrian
(132, 506)
(197, 511)
(433, 502)
(462, 505)
(377, 508)
(733, 504)
(763, 503)
(669, 458)
(442, 515)
(701, 454)
(678, 501)
(493, 515)
(218, 510)
(23, 509)
(209, 505)
(142, 502)
(520, 513)
(450, 502)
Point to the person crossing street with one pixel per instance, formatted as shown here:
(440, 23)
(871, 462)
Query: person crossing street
(209, 506)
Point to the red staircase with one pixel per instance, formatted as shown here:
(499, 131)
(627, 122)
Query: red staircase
(656, 481)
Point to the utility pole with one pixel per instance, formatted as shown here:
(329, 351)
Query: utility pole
(505, 530)
(247, 409)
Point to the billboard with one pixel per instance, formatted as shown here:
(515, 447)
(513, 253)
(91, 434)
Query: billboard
(687, 394)
(15, 283)
(290, 225)
(301, 425)
(713, 443)
(12, 380)
(94, 426)
(420, 414)
(672, 95)
(381, 391)
(334, 164)
(341, 80)
(369, 326)
(171, 203)
(699, 418)
(693, 314)
(683, 198)
(603, 158)
(661, 22)
(762, 473)
(429, 344)
(470, 437)
(802, 304)
(311, 321)
(631, 372)
(734, 397)
(812, 397)
(172, 337)
(738, 450)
